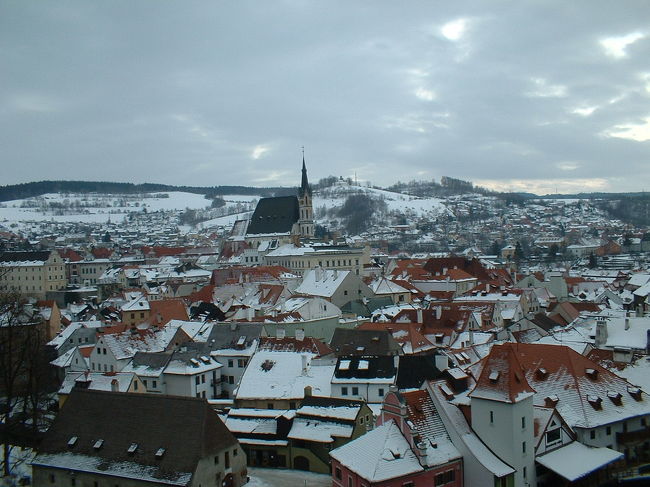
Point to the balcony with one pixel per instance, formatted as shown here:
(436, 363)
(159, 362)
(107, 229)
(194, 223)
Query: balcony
(633, 436)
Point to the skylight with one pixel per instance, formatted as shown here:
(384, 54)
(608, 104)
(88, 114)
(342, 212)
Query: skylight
(98, 444)
(132, 448)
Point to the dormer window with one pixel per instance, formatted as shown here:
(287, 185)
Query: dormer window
(595, 401)
(541, 373)
(551, 401)
(494, 376)
(592, 373)
(635, 392)
(615, 397)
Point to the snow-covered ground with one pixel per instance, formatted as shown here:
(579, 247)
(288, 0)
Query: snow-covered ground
(267, 477)
(335, 196)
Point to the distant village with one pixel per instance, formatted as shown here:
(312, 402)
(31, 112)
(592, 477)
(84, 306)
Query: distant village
(468, 341)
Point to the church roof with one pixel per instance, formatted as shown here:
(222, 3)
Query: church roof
(274, 215)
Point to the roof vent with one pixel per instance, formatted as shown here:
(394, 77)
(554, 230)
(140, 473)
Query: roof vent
(160, 452)
(98, 444)
(551, 401)
(635, 392)
(267, 365)
(615, 397)
(72, 441)
(592, 373)
(494, 376)
(595, 401)
(541, 373)
(194, 362)
(132, 448)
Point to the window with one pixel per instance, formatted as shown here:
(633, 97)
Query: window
(523, 422)
(553, 435)
(525, 472)
(197, 380)
(234, 452)
(135, 385)
(269, 405)
(202, 378)
(241, 363)
(292, 405)
(344, 391)
(216, 460)
(380, 392)
(608, 430)
(350, 482)
(153, 384)
(523, 447)
(355, 391)
(52, 478)
(592, 434)
(445, 477)
(226, 459)
(337, 473)
(231, 379)
(491, 417)
(231, 363)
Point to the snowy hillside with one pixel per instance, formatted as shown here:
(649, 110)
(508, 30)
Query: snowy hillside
(396, 203)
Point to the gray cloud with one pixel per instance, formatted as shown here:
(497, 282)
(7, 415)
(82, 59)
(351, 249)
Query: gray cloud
(226, 92)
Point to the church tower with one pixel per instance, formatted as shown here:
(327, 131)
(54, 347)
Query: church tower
(306, 219)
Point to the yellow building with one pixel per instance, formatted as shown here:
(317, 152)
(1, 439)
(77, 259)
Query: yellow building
(32, 274)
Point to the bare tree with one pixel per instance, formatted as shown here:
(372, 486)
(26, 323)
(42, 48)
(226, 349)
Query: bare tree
(24, 373)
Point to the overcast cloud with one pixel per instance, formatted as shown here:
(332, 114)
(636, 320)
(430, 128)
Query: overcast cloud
(541, 96)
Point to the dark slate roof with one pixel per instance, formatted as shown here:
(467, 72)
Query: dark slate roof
(226, 335)
(274, 215)
(364, 342)
(207, 311)
(544, 322)
(378, 367)
(154, 360)
(188, 428)
(42, 255)
(365, 307)
(415, 369)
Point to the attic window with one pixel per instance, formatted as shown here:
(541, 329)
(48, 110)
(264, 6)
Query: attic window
(635, 392)
(541, 373)
(592, 373)
(363, 365)
(98, 444)
(360, 349)
(439, 337)
(494, 376)
(595, 401)
(241, 341)
(72, 441)
(205, 359)
(160, 452)
(375, 339)
(551, 401)
(132, 448)
(344, 365)
(267, 365)
(195, 363)
(615, 397)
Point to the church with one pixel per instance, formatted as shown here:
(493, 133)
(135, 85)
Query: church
(283, 219)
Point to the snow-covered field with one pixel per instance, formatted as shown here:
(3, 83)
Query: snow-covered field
(335, 196)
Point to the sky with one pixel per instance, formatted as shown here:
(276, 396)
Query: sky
(542, 96)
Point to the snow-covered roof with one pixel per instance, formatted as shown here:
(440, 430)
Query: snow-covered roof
(280, 375)
(576, 460)
(321, 282)
(311, 429)
(379, 455)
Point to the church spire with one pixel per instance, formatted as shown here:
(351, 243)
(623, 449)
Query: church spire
(304, 185)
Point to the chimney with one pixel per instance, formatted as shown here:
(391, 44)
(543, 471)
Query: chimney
(300, 334)
(438, 312)
(304, 359)
(250, 313)
(308, 391)
(601, 332)
(627, 321)
(419, 313)
(442, 363)
(115, 385)
(422, 452)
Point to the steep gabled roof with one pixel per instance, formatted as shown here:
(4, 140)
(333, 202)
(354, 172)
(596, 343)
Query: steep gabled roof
(274, 215)
(107, 424)
(502, 377)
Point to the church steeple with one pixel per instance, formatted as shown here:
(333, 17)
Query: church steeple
(304, 184)
(306, 221)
